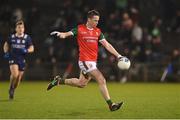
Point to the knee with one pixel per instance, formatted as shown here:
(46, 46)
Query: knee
(14, 75)
(82, 84)
(101, 80)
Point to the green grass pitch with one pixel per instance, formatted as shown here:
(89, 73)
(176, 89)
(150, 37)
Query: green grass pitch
(141, 100)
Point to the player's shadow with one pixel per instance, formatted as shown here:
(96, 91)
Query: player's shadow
(6, 100)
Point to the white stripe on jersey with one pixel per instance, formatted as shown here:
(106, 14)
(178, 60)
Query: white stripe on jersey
(13, 36)
(25, 36)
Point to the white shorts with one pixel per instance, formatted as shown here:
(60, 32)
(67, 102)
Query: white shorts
(87, 66)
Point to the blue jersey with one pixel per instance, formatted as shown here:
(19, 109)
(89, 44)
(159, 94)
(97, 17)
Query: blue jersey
(16, 44)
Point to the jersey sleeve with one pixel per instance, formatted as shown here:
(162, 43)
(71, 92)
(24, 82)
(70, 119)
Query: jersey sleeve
(101, 37)
(29, 41)
(74, 31)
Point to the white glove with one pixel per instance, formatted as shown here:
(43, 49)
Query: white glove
(55, 33)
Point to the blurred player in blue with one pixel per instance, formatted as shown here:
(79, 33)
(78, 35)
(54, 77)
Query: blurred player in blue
(15, 48)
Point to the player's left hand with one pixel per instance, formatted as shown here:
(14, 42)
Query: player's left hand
(24, 50)
(6, 55)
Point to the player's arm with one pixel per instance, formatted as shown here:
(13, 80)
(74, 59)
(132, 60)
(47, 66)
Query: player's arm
(6, 47)
(62, 35)
(110, 48)
(6, 50)
(30, 49)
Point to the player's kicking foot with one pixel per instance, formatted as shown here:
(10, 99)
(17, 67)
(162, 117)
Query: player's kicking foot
(11, 94)
(54, 82)
(115, 106)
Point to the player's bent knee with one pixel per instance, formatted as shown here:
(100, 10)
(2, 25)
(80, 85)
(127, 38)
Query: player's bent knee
(82, 85)
(14, 75)
(102, 81)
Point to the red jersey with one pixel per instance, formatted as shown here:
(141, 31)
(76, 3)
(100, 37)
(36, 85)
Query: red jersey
(88, 42)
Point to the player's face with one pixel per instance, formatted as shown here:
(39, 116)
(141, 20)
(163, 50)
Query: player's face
(93, 21)
(20, 29)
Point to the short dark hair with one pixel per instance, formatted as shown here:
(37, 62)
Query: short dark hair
(19, 22)
(92, 13)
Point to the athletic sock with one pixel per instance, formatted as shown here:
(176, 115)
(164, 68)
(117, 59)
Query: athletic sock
(62, 81)
(109, 102)
(11, 87)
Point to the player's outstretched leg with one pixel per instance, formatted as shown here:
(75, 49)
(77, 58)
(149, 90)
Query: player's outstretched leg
(56, 81)
(115, 106)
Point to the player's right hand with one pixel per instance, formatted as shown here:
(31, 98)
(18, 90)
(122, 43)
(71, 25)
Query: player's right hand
(119, 57)
(6, 55)
(56, 33)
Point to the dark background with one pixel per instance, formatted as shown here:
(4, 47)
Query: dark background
(148, 32)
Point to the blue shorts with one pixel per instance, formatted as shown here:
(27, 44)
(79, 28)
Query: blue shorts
(21, 63)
